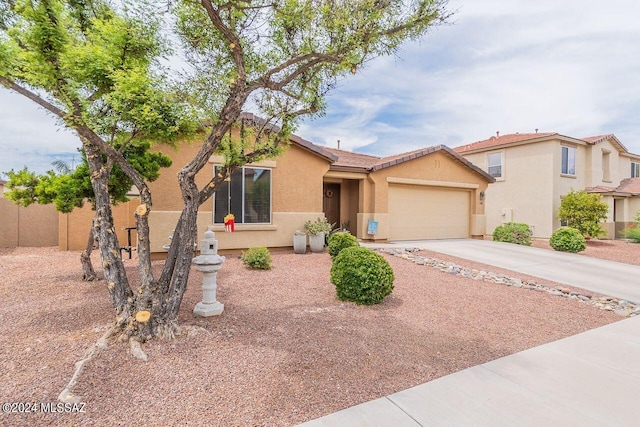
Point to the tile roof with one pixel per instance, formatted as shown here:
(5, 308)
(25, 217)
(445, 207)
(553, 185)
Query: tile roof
(358, 162)
(629, 185)
(496, 141)
(308, 145)
(597, 138)
(367, 163)
(600, 138)
(600, 189)
(351, 159)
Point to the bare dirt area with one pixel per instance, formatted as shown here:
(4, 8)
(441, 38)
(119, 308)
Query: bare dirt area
(612, 250)
(284, 351)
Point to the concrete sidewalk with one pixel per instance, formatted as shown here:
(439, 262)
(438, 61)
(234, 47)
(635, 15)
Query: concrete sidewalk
(605, 277)
(590, 379)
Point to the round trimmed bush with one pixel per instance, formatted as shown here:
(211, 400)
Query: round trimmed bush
(361, 275)
(257, 257)
(513, 232)
(567, 239)
(340, 240)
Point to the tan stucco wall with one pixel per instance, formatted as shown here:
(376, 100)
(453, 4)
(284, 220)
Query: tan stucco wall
(278, 234)
(594, 170)
(73, 230)
(35, 225)
(165, 191)
(532, 186)
(437, 169)
(297, 181)
(296, 196)
(525, 191)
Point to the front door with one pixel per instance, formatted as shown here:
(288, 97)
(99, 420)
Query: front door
(331, 203)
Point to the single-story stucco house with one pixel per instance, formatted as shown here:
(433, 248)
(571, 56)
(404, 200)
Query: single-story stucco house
(430, 193)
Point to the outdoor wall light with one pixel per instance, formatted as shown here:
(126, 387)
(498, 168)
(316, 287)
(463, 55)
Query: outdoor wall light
(482, 195)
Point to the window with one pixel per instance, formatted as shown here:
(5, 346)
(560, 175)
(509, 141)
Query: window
(606, 166)
(494, 165)
(635, 170)
(568, 160)
(247, 196)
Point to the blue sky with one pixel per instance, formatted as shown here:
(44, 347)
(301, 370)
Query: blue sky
(566, 66)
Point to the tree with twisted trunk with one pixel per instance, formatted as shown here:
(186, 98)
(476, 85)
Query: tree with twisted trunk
(69, 188)
(95, 67)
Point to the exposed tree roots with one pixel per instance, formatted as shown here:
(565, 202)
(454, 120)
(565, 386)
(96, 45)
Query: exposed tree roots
(67, 395)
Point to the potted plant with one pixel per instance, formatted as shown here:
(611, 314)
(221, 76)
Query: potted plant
(317, 230)
(299, 242)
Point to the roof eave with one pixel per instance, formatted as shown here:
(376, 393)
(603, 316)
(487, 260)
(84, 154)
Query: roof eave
(301, 142)
(432, 150)
(357, 169)
(524, 142)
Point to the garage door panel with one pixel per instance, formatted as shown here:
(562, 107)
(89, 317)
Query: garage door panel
(418, 212)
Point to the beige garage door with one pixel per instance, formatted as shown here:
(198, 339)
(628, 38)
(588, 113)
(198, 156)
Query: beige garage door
(418, 212)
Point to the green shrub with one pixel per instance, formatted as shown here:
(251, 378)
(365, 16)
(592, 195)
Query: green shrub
(584, 212)
(567, 239)
(361, 275)
(633, 233)
(258, 257)
(513, 232)
(340, 240)
(318, 226)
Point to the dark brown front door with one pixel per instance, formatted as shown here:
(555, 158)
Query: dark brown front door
(331, 203)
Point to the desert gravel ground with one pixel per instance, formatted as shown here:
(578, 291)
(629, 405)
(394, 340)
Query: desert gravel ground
(612, 250)
(284, 351)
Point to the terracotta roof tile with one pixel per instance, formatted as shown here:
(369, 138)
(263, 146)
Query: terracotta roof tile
(367, 163)
(600, 138)
(597, 138)
(496, 141)
(600, 189)
(351, 159)
(629, 185)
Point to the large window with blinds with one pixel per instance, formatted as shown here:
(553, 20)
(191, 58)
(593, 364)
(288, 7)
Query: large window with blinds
(247, 196)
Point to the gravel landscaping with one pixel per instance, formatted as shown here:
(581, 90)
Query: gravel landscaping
(284, 351)
(612, 250)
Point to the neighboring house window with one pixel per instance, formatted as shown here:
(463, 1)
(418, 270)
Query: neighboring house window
(494, 165)
(606, 166)
(635, 170)
(247, 196)
(568, 160)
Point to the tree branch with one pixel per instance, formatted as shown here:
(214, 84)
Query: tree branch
(231, 37)
(32, 96)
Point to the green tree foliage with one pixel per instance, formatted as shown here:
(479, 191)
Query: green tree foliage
(97, 69)
(584, 212)
(71, 188)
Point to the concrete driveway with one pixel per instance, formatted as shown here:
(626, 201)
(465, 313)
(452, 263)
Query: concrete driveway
(590, 379)
(605, 277)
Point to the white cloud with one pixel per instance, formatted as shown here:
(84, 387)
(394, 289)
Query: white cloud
(31, 137)
(511, 66)
(504, 65)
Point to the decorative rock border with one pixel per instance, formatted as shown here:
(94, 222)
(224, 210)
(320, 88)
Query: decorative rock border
(618, 306)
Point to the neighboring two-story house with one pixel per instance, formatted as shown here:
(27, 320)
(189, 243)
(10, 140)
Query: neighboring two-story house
(533, 171)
